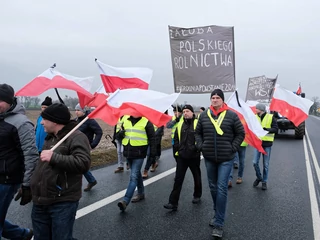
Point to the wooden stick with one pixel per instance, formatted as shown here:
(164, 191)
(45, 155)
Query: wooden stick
(69, 133)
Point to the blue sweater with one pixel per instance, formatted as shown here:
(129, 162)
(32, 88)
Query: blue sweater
(40, 134)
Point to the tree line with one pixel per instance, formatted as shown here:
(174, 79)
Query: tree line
(34, 103)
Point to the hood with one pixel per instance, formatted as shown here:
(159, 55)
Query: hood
(16, 107)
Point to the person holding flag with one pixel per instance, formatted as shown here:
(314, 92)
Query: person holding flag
(269, 123)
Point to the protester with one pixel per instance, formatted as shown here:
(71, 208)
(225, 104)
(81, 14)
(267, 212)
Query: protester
(269, 123)
(119, 146)
(174, 123)
(187, 157)
(40, 133)
(18, 158)
(219, 134)
(94, 133)
(240, 157)
(57, 180)
(202, 109)
(137, 134)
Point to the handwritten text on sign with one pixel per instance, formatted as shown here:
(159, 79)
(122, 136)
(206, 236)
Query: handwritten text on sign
(260, 88)
(202, 56)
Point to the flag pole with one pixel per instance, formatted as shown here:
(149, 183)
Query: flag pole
(69, 133)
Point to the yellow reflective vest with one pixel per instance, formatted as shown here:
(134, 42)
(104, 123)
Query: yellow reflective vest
(266, 123)
(179, 127)
(135, 135)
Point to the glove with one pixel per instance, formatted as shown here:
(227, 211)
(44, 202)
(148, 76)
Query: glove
(266, 129)
(25, 194)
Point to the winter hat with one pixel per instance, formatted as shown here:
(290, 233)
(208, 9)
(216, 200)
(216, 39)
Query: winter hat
(261, 107)
(57, 113)
(175, 108)
(6, 93)
(47, 102)
(187, 106)
(202, 108)
(78, 107)
(218, 92)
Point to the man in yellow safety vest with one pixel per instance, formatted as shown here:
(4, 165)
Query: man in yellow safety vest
(269, 123)
(174, 123)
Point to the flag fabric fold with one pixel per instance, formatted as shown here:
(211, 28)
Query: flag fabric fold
(136, 102)
(289, 105)
(252, 127)
(99, 97)
(51, 78)
(122, 78)
(299, 91)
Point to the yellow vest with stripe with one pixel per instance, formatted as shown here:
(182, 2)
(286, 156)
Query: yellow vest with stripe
(266, 123)
(120, 122)
(179, 127)
(173, 129)
(135, 135)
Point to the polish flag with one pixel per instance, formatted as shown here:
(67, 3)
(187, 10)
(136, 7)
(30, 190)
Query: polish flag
(123, 78)
(51, 78)
(298, 92)
(136, 102)
(290, 105)
(252, 127)
(252, 105)
(99, 97)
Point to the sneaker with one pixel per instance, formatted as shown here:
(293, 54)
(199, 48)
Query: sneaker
(171, 206)
(29, 234)
(145, 174)
(122, 205)
(256, 182)
(235, 166)
(89, 186)
(196, 200)
(264, 186)
(154, 167)
(229, 184)
(118, 170)
(239, 180)
(137, 198)
(217, 232)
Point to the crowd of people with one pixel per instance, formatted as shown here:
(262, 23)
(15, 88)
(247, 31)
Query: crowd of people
(35, 166)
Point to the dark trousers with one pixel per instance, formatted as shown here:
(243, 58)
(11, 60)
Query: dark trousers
(182, 166)
(54, 222)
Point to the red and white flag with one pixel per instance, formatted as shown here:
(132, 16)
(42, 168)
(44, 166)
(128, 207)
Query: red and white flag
(51, 78)
(136, 102)
(99, 97)
(299, 91)
(252, 127)
(252, 105)
(122, 78)
(290, 105)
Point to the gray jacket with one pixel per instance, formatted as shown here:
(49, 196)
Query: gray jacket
(18, 151)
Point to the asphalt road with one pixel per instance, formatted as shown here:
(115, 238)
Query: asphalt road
(287, 210)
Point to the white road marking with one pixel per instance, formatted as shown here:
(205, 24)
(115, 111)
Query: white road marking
(103, 202)
(312, 192)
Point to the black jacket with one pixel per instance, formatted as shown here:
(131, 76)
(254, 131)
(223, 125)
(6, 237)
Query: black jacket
(60, 180)
(91, 129)
(186, 147)
(18, 151)
(139, 151)
(215, 147)
(273, 129)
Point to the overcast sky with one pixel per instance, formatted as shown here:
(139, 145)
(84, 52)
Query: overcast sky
(271, 37)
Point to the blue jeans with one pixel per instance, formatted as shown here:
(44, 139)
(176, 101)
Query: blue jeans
(54, 222)
(120, 153)
(240, 157)
(135, 179)
(90, 178)
(266, 160)
(218, 176)
(8, 230)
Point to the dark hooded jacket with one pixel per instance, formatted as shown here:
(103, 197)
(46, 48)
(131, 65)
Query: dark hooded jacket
(60, 180)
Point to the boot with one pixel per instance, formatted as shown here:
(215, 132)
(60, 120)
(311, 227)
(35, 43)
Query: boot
(145, 174)
(118, 170)
(89, 186)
